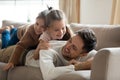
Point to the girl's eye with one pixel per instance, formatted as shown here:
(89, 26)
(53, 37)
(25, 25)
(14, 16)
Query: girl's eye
(56, 30)
(63, 28)
(37, 24)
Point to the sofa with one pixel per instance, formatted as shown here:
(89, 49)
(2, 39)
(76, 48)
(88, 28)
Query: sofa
(105, 65)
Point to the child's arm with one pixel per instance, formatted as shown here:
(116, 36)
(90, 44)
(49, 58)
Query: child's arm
(42, 45)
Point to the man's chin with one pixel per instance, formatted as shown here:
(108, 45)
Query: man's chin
(65, 55)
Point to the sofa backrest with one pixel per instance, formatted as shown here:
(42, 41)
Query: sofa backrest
(9, 22)
(107, 35)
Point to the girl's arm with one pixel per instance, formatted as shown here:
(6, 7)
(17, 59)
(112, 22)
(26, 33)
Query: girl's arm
(42, 45)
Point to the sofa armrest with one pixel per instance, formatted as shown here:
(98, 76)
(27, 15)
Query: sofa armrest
(106, 65)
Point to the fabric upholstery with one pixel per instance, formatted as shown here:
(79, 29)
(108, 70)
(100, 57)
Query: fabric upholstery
(107, 35)
(3, 74)
(106, 65)
(25, 73)
(79, 75)
(9, 22)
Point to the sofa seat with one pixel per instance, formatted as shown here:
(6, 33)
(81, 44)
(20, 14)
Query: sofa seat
(32, 73)
(25, 72)
(78, 75)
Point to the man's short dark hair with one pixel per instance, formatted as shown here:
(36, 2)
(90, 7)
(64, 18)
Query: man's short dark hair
(89, 38)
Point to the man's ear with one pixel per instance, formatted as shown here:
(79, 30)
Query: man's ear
(84, 53)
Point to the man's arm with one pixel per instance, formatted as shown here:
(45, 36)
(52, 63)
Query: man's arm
(48, 69)
(86, 65)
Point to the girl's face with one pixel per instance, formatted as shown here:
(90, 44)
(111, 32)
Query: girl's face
(39, 26)
(57, 29)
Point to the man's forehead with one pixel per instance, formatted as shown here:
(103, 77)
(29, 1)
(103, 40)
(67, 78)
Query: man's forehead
(77, 41)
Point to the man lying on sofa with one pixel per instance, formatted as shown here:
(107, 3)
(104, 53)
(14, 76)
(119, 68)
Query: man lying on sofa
(74, 55)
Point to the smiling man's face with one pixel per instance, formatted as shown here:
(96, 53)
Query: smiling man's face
(73, 48)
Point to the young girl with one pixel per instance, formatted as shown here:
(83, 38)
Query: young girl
(29, 38)
(56, 29)
(11, 35)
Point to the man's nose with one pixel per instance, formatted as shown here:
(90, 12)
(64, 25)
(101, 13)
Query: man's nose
(69, 46)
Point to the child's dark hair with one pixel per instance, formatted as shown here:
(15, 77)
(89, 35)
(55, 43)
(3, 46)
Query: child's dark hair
(89, 39)
(54, 15)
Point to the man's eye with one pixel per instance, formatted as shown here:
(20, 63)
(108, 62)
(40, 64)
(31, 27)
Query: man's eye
(74, 47)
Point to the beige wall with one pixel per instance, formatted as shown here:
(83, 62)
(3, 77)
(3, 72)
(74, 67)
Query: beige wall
(95, 11)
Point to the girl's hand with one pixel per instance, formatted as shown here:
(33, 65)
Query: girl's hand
(8, 66)
(42, 45)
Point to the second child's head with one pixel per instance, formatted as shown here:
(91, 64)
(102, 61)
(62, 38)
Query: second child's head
(39, 25)
(56, 24)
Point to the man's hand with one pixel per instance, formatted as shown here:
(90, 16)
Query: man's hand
(77, 64)
(73, 62)
(86, 65)
(8, 66)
